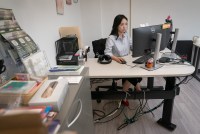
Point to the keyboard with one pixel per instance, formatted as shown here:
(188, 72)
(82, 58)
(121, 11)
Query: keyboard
(143, 59)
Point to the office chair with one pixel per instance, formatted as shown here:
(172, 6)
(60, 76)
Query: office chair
(64, 31)
(98, 49)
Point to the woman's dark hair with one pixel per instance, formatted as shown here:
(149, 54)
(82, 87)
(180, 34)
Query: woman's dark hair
(116, 23)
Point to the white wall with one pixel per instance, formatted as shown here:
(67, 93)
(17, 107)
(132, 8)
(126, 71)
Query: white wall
(39, 19)
(91, 22)
(184, 13)
(111, 8)
(98, 16)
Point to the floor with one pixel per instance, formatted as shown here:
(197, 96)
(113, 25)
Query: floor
(186, 113)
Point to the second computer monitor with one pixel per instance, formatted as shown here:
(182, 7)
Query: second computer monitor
(144, 39)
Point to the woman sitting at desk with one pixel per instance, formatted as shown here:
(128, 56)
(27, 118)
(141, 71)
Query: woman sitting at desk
(118, 45)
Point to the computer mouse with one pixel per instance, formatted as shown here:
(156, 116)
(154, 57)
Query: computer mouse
(123, 62)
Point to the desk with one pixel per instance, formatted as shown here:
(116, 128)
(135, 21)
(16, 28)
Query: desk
(169, 72)
(195, 61)
(116, 70)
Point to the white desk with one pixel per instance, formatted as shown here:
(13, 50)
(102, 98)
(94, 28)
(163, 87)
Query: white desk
(116, 70)
(195, 60)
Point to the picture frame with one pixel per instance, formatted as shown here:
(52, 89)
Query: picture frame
(60, 7)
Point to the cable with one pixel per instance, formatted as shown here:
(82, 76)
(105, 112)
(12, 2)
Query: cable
(109, 114)
(174, 63)
(181, 82)
(150, 111)
(131, 108)
(132, 66)
(189, 79)
(110, 102)
(112, 112)
(95, 112)
(137, 115)
(113, 117)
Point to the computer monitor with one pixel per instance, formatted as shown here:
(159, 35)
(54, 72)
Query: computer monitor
(144, 39)
(172, 55)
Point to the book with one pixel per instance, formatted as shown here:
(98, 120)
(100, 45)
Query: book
(42, 110)
(18, 87)
(54, 127)
(64, 68)
(63, 73)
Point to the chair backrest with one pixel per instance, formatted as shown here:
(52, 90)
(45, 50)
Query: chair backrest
(99, 47)
(64, 31)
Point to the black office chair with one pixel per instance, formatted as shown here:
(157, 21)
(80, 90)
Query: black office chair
(98, 49)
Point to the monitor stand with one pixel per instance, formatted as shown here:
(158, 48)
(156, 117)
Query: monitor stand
(172, 55)
(156, 54)
(152, 68)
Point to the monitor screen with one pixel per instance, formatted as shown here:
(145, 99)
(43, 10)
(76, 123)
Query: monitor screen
(144, 39)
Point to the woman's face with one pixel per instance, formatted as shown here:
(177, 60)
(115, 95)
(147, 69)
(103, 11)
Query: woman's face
(122, 28)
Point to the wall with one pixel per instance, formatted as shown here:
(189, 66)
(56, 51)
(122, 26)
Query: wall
(98, 16)
(39, 19)
(91, 22)
(185, 14)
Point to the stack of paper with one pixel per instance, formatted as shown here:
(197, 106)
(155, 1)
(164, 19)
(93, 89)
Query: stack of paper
(72, 79)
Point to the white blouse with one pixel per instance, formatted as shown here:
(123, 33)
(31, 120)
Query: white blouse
(118, 46)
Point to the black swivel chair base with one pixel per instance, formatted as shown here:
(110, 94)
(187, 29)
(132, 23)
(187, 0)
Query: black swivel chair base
(112, 88)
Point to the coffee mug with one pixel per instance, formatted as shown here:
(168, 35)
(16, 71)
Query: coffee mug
(196, 40)
(2, 66)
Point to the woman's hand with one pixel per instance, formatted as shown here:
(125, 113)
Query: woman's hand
(118, 59)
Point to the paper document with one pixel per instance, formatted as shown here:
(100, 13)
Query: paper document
(65, 57)
(72, 79)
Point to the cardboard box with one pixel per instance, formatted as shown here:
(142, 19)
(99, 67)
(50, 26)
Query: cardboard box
(51, 93)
